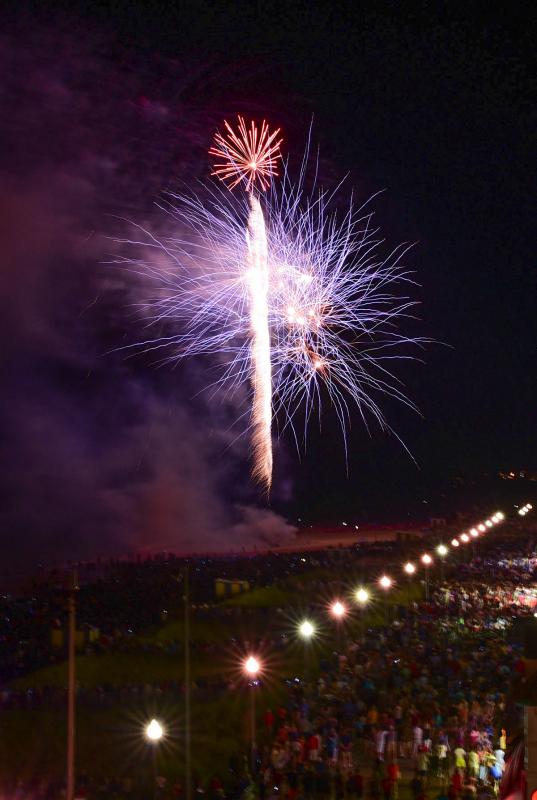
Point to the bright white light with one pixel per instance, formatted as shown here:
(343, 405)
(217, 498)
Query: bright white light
(409, 568)
(481, 527)
(385, 582)
(362, 596)
(465, 538)
(154, 731)
(474, 532)
(500, 515)
(455, 542)
(306, 629)
(442, 550)
(426, 559)
(522, 512)
(529, 506)
(252, 666)
(338, 609)
(489, 523)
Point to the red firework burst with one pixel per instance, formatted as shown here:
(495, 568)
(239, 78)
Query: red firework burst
(249, 154)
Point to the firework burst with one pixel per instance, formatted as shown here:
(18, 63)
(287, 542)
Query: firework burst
(248, 155)
(298, 300)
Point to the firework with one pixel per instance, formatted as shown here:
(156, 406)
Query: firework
(293, 297)
(248, 155)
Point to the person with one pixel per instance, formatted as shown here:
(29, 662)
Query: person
(473, 765)
(460, 759)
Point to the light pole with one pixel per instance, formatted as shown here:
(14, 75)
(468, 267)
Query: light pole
(188, 770)
(154, 733)
(362, 598)
(71, 688)
(410, 569)
(252, 668)
(306, 631)
(442, 552)
(426, 560)
(385, 583)
(338, 610)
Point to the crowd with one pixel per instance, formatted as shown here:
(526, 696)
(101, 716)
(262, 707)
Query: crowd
(421, 705)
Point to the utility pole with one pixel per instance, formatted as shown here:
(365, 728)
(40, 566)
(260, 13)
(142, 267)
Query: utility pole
(71, 609)
(188, 770)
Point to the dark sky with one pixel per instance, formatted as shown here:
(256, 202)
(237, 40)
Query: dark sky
(105, 105)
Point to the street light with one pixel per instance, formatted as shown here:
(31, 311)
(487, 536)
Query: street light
(385, 582)
(455, 542)
(306, 629)
(338, 610)
(482, 528)
(442, 550)
(474, 533)
(252, 668)
(489, 523)
(362, 596)
(426, 560)
(465, 538)
(154, 731)
(409, 568)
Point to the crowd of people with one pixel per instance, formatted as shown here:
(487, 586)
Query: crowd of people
(421, 705)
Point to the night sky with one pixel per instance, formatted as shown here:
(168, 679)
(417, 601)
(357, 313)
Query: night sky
(103, 106)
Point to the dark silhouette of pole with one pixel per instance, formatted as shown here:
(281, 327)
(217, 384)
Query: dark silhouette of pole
(252, 728)
(71, 608)
(188, 767)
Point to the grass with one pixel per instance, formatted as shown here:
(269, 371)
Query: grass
(219, 725)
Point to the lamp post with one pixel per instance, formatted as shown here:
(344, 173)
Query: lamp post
(410, 569)
(154, 733)
(442, 552)
(385, 583)
(362, 598)
(71, 687)
(252, 668)
(338, 611)
(426, 560)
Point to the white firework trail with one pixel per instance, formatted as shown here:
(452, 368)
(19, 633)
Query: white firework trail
(259, 281)
(293, 297)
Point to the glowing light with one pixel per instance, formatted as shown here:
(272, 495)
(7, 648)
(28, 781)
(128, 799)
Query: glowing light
(442, 550)
(481, 527)
(489, 523)
(385, 582)
(338, 609)
(306, 629)
(297, 303)
(154, 731)
(529, 506)
(522, 512)
(426, 559)
(248, 155)
(362, 596)
(474, 533)
(454, 542)
(409, 568)
(252, 666)
(465, 538)
(260, 347)
(500, 515)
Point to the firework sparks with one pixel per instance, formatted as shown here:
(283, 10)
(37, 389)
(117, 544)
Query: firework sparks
(260, 349)
(247, 156)
(303, 304)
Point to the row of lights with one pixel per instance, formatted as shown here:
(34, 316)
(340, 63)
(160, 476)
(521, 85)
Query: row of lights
(306, 629)
(482, 527)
